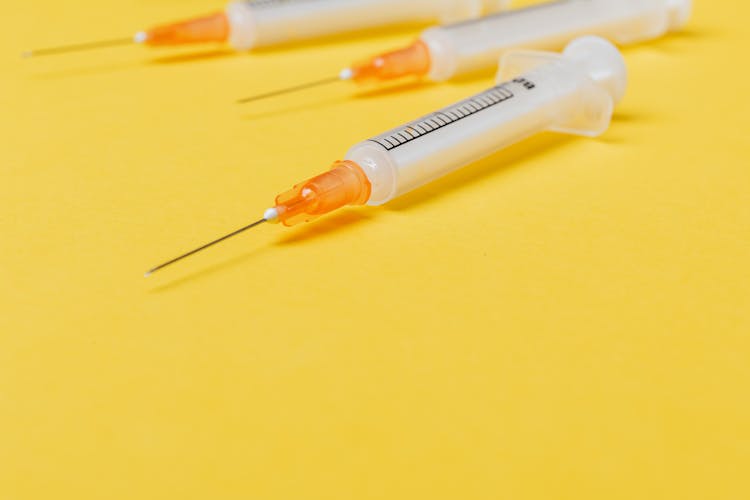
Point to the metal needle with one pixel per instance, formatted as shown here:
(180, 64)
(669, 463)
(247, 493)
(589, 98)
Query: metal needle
(193, 252)
(78, 47)
(296, 88)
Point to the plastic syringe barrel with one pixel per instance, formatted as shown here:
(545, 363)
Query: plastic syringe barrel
(465, 47)
(574, 92)
(267, 22)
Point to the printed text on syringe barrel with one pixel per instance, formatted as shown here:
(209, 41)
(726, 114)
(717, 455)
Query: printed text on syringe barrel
(450, 115)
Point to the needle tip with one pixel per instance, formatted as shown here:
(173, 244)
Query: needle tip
(193, 252)
(139, 38)
(27, 54)
(289, 90)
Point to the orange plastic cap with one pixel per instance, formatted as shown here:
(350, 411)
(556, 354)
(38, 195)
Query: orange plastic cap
(413, 60)
(345, 184)
(211, 28)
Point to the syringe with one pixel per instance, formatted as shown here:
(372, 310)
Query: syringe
(248, 24)
(574, 93)
(445, 52)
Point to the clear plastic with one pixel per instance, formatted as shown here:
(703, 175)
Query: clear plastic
(269, 22)
(574, 92)
(474, 45)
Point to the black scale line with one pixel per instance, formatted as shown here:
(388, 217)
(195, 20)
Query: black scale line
(444, 118)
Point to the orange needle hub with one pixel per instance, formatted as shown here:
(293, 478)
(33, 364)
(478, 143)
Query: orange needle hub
(413, 60)
(345, 184)
(211, 28)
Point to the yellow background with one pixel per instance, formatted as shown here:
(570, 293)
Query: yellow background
(568, 319)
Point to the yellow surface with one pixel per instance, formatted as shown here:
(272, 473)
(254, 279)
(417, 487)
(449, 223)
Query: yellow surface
(569, 319)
